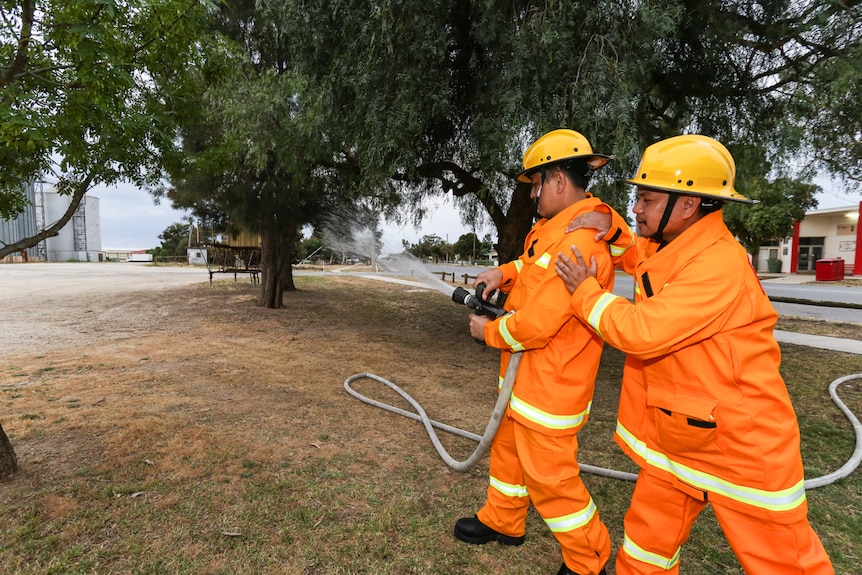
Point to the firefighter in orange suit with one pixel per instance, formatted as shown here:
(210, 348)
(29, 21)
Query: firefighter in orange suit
(703, 409)
(534, 453)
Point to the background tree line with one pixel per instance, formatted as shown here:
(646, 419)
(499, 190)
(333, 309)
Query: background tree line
(273, 116)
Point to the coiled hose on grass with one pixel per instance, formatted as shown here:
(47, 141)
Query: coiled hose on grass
(485, 439)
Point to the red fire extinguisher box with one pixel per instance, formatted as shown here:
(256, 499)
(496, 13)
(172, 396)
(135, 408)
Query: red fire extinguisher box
(829, 270)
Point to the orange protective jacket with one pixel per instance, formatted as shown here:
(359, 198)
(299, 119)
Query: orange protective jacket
(702, 404)
(554, 386)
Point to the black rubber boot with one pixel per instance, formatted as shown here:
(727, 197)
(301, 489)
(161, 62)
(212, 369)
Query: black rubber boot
(471, 530)
(566, 571)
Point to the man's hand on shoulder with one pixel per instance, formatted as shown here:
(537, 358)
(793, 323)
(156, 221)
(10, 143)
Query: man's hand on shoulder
(592, 220)
(574, 272)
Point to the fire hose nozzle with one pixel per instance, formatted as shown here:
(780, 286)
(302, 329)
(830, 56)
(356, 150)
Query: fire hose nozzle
(460, 295)
(476, 303)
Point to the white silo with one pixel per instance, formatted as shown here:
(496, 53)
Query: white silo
(81, 238)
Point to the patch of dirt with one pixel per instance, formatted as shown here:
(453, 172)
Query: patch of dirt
(113, 372)
(157, 416)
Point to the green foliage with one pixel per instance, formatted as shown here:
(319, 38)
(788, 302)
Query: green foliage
(470, 248)
(84, 90)
(310, 247)
(828, 111)
(432, 247)
(781, 201)
(175, 240)
(443, 97)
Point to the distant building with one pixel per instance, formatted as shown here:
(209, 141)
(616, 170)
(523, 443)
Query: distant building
(79, 240)
(197, 256)
(827, 234)
(140, 256)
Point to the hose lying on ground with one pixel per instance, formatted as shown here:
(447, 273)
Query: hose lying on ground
(483, 440)
(500, 408)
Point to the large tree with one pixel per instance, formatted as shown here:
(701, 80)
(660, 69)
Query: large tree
(444, 96)
(83, 92)
(831, 117)
(255, 158)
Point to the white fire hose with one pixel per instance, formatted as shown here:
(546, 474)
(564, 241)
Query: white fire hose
(503, 400)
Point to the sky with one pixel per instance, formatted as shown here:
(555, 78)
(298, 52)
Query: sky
(131, 219)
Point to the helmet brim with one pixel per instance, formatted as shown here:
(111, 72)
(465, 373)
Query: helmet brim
(595, 161)
(737, 198)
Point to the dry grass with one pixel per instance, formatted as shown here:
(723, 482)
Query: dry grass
(219, 440)
(821, 327)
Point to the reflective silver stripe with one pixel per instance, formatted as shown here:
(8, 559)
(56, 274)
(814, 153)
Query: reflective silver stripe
(637, 288)
(544, 261)
(781, 500)
(508, 489)
(633, 550)
(618, 251)
(546, 419)
(519, 265)
(602, 304)
(500, 380)
(615, 251)
(573, 520)
(513, 343)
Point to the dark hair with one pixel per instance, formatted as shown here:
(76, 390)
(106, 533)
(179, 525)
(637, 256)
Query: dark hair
(709, 205)
(577, 170)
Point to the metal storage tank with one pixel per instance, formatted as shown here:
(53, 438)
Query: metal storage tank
(23, 226)
(80, 239)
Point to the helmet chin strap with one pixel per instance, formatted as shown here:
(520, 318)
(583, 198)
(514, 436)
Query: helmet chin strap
(658, 235)
(543, 172)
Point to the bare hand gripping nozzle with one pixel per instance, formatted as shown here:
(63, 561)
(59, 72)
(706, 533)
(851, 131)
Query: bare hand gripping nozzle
(479, 305)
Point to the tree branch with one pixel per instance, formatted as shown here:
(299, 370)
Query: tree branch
(28, 7)
(54, 228)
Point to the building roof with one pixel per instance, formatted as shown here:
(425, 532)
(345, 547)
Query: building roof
(841, 210)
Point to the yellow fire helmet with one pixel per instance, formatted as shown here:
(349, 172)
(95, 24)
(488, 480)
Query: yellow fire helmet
(692, 165)
(558, 146)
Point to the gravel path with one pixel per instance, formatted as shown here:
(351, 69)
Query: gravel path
(56, 305)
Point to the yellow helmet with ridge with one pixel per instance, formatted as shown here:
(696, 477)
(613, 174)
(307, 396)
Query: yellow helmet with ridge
(691, 165)
(558, 146)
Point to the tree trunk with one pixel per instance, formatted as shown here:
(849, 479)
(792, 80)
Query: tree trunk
(8, 459)
(513, 229)
(277, 249)
(271, 281)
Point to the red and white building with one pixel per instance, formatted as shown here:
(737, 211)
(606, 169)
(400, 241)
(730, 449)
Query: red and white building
(831, 234)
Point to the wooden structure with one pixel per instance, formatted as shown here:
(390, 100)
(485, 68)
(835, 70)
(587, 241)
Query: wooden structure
(226, 259)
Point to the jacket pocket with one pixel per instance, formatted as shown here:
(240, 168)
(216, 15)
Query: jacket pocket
(684, 424)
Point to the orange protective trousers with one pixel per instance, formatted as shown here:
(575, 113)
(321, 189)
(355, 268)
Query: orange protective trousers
(549, 469)
(660, 517)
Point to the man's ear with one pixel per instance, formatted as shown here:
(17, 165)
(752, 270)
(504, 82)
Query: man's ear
(561, 182)
(690, 205)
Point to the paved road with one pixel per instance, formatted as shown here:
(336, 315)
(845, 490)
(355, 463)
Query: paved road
(829, 292)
